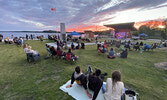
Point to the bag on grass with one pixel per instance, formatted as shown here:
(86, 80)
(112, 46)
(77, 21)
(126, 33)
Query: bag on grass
(130, 95)
(47, 57)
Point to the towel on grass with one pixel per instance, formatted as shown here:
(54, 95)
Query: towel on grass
(78, 92)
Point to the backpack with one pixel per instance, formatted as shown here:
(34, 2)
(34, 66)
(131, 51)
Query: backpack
(130, 95)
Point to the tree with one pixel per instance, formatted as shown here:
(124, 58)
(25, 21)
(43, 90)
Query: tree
(146, 29)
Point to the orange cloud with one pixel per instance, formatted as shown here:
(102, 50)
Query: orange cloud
(159, 23)
(91, 28)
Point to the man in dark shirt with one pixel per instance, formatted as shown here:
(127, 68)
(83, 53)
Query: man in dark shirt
(72, 46)
(80, 79)
(124, 54)
(95, 83)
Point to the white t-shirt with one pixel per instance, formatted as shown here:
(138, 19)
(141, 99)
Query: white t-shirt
(25, 50)
(113, 94)
(31, 51)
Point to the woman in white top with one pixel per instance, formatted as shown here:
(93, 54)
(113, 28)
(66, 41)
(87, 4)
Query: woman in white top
(114, 87)
(35, 53)
(25, 48)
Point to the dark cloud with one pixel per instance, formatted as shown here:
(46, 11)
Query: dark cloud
(23, 14)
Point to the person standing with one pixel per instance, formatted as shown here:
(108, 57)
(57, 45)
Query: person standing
(31, 37)
(12, 37)
(41, 38)
(27, 36)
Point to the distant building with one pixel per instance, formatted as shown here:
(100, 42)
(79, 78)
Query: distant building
(89, 34)
(122, 30)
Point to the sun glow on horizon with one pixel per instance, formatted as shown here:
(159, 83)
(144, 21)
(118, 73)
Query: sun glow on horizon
(90, 28)
(159, 23)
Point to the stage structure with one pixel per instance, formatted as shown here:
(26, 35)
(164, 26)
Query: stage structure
(122, 30)
(63, 31)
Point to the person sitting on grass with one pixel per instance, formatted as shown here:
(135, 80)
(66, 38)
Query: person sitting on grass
(78, 46)
(127, 45)
(99, 45)
(123, 54)
(25, 48)
(137, 46)
(111, 54)
(141, 43)
(81, 79)
(73, 56)
(160, 45)
(1, 38)
(95, 82)
(165, 44)
(105, 46)
(114, 87)
(102, 50)
(60, 52)
(146, 47)
(21, 41)
(82, 45)
(35, 53)
(118, 44)
(53, 50)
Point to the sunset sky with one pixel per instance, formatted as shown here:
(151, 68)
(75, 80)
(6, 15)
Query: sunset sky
(79, 15)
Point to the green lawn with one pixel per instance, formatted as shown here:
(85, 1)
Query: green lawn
(20, 80)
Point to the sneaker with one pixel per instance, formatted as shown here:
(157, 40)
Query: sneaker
(105, 74)
(90, 69)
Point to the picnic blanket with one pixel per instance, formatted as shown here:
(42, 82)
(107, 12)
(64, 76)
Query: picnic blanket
(78, 92)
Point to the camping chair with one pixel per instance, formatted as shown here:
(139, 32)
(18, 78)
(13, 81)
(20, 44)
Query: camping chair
(59, 54)
(49, 52)
(69, 58)
(100, 51)
(53, 52)
(32, 58)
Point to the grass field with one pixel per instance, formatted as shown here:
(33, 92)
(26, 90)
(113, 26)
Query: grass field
(20, 80)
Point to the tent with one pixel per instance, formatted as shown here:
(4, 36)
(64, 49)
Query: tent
(75, 33)
(143, 34)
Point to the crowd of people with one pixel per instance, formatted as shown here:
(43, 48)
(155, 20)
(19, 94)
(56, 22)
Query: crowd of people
(19, 40)
(113, 89)
(60, 53)
(102, 47)
(33, 37)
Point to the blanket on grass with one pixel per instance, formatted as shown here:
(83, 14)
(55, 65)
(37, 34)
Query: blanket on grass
(78, 92)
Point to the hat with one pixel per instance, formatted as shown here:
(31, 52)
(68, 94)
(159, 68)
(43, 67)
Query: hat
(98, 72)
